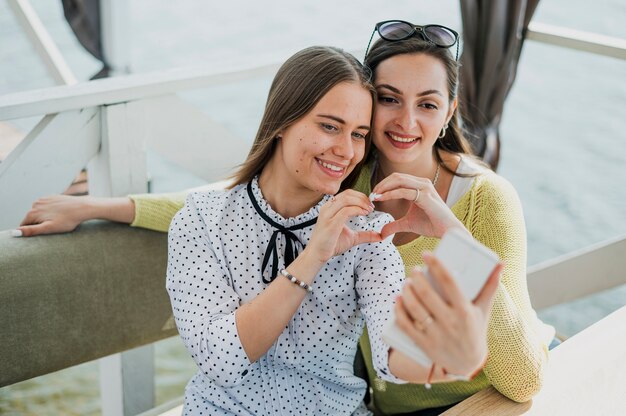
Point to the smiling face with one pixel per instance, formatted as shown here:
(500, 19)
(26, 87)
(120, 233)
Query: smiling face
(413, 106)
(317, 152)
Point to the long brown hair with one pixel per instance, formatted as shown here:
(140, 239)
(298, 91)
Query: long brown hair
(454, 140)
(298, 86)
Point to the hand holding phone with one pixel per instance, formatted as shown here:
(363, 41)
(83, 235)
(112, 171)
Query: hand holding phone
(469, 263)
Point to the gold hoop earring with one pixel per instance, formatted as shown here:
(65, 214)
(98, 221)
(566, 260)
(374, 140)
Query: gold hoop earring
(443, 131)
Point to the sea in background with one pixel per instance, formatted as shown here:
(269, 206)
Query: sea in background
(563, 129)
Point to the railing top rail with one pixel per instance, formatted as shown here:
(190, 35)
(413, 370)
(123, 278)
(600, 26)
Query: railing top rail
(123, 89)
(578, 274)
(577, 39)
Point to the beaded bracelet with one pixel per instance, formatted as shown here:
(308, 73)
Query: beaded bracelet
(295, 281)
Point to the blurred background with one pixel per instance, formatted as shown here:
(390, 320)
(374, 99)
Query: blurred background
(563, 131)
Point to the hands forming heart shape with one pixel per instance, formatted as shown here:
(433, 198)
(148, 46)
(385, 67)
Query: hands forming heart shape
(428, 215)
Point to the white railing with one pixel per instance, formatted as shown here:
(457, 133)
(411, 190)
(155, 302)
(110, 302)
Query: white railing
(577, 40)
(107, 125)
(575, 275)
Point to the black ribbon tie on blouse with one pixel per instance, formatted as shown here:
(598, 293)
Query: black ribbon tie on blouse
(291, 240)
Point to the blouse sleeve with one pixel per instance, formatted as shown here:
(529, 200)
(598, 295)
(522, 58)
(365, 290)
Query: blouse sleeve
(379, 277)
(203, 300)
(517, 354)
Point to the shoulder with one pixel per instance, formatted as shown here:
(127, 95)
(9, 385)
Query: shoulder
(491, 187)
(209, 205)
(497, 209)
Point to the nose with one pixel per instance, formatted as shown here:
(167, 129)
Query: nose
(406, 118)
(344, 146)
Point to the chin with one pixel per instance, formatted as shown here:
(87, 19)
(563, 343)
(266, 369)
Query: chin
(401, 156)
(328, 188)
(331, 190)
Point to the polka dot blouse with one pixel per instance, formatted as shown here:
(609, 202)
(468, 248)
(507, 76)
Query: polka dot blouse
(216, 246)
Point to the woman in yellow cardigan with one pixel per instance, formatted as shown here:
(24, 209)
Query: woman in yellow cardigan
(421, 164)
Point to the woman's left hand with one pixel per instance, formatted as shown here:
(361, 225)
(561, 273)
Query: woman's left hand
(331, 235)
(428, 214)
(449, 328)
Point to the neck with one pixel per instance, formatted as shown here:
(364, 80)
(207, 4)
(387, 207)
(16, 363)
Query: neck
(424, 168)
(284, 195)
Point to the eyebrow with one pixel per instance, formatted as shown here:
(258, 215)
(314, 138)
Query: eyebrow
(341, 121)
(397, 91)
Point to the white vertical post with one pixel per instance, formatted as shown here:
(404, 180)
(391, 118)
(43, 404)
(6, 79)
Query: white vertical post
(120, 167)
(127, 382)
(126, 379)
(115, 34)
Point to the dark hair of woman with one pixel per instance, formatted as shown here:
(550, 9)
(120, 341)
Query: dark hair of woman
(454, 140)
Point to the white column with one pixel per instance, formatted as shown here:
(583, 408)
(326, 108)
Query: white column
(120, 167)
(126, 379)
(127, 382)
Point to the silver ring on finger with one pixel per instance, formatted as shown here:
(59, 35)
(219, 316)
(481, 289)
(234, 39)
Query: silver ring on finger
(417, 194)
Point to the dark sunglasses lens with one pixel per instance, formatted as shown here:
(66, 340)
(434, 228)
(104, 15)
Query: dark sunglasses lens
(395, 31)
(440, 35)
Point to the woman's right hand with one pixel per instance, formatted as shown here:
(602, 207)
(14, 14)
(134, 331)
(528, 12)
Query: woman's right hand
(450, 329)
(54, 214)
(63, 213)
(331, 235)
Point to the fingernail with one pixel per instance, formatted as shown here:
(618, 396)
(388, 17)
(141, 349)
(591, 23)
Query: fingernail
(373, 206)
(16, 233)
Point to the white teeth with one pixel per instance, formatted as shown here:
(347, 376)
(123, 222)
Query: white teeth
(401, 139)
(329, 166)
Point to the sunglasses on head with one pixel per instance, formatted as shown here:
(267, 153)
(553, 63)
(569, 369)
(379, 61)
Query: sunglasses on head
(395, 30)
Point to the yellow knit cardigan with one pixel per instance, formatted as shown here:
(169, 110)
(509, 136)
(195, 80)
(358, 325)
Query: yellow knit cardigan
(491, 211)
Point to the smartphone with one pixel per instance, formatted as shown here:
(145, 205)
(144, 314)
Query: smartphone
(469, 262)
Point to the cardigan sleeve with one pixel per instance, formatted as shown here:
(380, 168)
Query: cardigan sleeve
(203, 299)
(517, 354)
(155, 211)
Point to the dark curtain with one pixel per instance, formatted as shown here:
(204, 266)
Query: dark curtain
(493, 34)
(84, 19)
